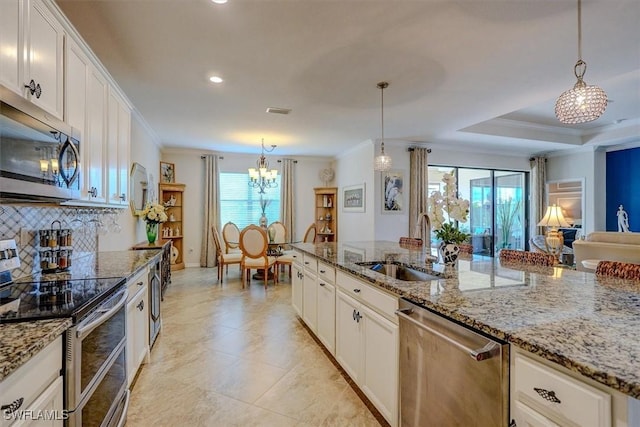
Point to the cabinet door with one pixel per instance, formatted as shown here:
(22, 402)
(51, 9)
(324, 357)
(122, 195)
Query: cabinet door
(11, 39)
(380, 363)
(94, 142)
(124, 144)
(137, 332)
(310, 300)
(44, 38)
(327, 314)
(524, 416)
(348, 335)
(76, 73)
(296, 289)
(111, 152)
(49, 404)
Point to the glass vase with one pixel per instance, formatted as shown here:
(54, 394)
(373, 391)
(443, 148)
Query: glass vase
(152, 232)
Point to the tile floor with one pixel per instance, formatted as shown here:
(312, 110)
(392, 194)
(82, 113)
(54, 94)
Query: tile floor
(233, 357)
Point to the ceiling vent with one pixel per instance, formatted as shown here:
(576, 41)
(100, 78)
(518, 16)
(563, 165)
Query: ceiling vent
(277, 110)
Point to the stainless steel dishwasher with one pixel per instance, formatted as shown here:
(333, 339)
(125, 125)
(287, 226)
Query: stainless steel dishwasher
(449, 374)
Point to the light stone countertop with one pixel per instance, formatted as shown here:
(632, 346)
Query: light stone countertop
(20, 341)
(585, 323)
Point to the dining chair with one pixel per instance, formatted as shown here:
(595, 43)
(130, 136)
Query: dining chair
(310, 234)
(280, 237)
(224, 259)
(253, 244)
(231, 236)
(620, 270)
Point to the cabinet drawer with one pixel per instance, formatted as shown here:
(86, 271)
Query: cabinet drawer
(326, 272)
(378, 300)
(311, 263)
(137, 283)
(32, 378)
(297, 256)
(566, 397)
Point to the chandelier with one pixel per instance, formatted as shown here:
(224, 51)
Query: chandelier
(583, 103)
(261, 177)
(382, 162)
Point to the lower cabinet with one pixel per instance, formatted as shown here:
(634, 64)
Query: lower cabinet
(35, 388)
(310, 300)
(326, 314)
(367, 349)
(137, 347)
(296, 288)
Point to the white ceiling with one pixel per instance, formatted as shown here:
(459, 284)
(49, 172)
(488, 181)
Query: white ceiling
(482, 74)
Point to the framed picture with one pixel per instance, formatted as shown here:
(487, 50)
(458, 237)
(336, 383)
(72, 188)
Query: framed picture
(393, 192)
(353, 198)
(167, 173)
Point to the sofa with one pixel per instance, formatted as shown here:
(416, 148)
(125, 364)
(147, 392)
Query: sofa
(607, 245)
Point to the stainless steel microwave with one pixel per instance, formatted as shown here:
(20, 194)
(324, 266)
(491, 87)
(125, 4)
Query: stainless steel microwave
(39, 154)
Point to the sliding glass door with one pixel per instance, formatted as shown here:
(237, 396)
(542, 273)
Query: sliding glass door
(498, 214)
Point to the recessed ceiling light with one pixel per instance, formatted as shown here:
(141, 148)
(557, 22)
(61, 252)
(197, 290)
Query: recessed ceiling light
(278, 110)
(216, 79)
(219, 1)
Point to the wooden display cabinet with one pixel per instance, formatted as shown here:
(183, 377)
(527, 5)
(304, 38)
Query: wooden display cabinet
(326, 214)
(171, 197)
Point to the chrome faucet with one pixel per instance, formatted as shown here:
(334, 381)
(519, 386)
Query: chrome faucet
(423, 230)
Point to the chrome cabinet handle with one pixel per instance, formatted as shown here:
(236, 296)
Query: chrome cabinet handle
(321, 284)
(548, 395)
(358, 317)
(34, 88)
(513, 423)
(141, 305)
(93, 192)
(123, 197)
(140, 283)
(13, 406)
(357, 291)
(354, 314)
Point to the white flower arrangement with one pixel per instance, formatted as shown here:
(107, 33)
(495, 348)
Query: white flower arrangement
(154, 213)
(457, 209)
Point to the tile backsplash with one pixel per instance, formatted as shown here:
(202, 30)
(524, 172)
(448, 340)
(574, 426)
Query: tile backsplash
(23, 222)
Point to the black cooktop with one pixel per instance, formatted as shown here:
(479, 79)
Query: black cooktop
(54, 298)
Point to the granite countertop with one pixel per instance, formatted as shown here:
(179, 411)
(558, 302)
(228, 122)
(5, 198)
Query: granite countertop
(21, 341)
(585, 323)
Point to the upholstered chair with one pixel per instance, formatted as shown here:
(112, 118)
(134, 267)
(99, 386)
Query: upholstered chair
(525, 257)
(231, 236)
(253, 244)
(224, 259)
(286, 257)
(310, 234)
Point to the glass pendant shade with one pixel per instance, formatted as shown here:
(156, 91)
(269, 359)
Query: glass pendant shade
(583, 103)
(382, 162)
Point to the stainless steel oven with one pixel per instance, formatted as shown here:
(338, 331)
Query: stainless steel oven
(96, 379)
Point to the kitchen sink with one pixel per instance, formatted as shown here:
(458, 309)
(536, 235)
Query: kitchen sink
(399, 271)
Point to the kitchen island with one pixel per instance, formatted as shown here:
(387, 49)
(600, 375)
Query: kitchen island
(584, 323)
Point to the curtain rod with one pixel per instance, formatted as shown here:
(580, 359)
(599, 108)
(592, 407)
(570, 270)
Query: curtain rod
(204, 157)
(280, 161)
(413, 148)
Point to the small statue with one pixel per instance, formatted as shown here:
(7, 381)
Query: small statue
(623, 220)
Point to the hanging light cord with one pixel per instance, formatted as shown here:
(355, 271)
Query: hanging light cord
(581, 67)
(382, 86)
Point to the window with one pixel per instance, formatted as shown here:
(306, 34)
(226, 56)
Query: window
(240, 203)
(498, 211)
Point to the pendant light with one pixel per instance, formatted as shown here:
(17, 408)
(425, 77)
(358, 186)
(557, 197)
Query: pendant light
(583, 103)
(382, 162)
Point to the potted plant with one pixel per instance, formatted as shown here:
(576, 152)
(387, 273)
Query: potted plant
(446, 228)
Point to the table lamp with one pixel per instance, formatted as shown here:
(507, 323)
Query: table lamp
(554, 240)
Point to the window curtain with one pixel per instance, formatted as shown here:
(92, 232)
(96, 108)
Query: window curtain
(287, 195)
(418, 188)
(208, 256)
(538, 193)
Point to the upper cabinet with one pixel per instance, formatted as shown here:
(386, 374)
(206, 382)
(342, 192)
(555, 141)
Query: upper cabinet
(119, 121)
(31, 59)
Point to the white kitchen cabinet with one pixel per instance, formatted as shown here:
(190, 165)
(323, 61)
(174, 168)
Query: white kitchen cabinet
(297, 288)
(76, 83)
(35, 385)
(348, 335)
(544, 396)
(32, 43)
(137, 346)
(326, 314)
(95, 138)
(310, 299)
(49, 404)
(117, 149)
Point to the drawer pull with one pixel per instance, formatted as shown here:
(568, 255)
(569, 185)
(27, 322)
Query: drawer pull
(321, 284)
(322, 271)
(306, 263)
(13, 406)
(548, 395)
(140, 283)
(357, 291)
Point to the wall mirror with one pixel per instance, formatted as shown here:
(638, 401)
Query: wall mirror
(569, 195)
(139, 185)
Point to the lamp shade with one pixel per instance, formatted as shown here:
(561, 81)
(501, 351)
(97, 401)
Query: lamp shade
(553, 218)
